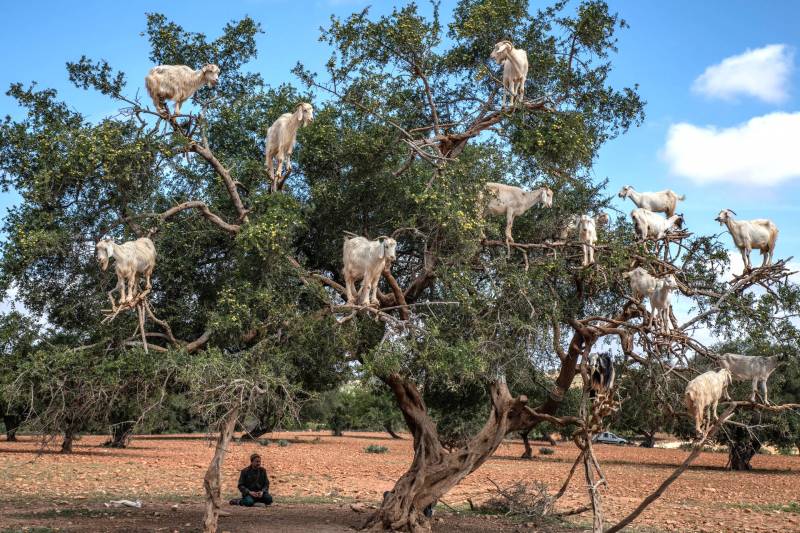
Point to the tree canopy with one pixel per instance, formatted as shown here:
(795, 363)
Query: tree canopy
(247, 301)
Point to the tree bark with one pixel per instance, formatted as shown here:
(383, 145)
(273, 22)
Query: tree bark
(212, 483)
(741, 453)
(649, 440)
(120, 435)
(528, 453)
(388, 427)
(12, 424)
(66, 445)
(433, 472)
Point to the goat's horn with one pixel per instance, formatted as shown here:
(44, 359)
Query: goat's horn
(734, 212)
(383, 237)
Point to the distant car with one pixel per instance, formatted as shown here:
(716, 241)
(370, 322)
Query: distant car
(607, 437)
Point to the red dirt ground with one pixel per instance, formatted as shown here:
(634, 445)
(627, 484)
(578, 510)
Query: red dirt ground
(316, 476)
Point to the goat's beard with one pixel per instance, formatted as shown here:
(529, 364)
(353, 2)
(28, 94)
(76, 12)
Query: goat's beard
(103, 264)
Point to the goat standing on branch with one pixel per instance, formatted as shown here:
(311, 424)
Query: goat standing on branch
(281, 137)
(177, 83)
(660, 301)
(744, 367)
(642, 283)
(587, 235)
(704, 392)
(572, 225)
(132, 257)
(748, 234)
(658, 202)
(649, 225)
(365, 260)
(512, 202)
(515, 70)
(601, 374)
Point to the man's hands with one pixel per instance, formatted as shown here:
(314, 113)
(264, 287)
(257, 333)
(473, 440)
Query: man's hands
(256, 494)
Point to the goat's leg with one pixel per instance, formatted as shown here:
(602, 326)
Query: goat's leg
(765, 256)
(177, 107)
(373, 293)
(288, 162)
(509, 226)
(764, 391)
(714, 409)
(350, 289)
(746, 259)
(119, 287)
(755, 389)
(363, 292)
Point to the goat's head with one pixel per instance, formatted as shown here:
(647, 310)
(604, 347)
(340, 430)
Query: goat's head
(105, 250)
(670, 281)
(726, 376)
(501, 51)
(388, 249)
(211, 74)
(305, 112)
(625, 191)
(602, 219)
(725, 215)
(545, 195)
(679, 221)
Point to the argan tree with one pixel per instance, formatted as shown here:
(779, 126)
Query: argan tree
(408, 129)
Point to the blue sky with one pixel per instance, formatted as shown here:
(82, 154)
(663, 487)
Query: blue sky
(669, 46)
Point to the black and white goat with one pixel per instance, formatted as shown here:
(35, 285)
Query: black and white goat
(601, 374)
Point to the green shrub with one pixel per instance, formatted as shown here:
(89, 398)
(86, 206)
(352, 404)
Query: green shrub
(283, 443)
(547, 451)
(376, 448)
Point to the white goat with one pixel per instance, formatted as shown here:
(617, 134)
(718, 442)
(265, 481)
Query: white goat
(587, 235)
(650, 225)
(365, 260)
(512, 202)
(748, 234)
(660, 301)
(658, 202)
(705, 391)
(572, 224)
(744, 367)
(132, 257)
(642, 283)
(177, 83)
(515, 70)
(281, 137)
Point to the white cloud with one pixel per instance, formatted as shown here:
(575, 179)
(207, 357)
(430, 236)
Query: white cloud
(762, 73)
(762, 151)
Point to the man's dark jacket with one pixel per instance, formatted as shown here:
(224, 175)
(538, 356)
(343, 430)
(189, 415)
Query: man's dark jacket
(253, 480)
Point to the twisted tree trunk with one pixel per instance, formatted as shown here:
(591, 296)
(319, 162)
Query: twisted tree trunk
(528, 453)
(212, 483)
(12, 423)
(120, 435)
(435, 471)
(66, 444)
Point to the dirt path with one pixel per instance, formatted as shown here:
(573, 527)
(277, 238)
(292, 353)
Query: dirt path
(333, 471)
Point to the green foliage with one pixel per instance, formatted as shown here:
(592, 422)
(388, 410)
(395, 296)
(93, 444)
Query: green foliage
(546, 451)
(283, 443)
(376, 448)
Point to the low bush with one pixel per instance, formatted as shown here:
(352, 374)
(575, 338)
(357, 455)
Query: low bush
(376, 448)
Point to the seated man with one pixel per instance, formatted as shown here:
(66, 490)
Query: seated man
(253, 484)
